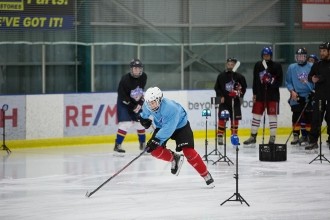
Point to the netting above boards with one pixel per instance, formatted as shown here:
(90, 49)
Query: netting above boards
(156, 21)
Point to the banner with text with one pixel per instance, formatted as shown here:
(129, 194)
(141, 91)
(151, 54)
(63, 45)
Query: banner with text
(36, 14)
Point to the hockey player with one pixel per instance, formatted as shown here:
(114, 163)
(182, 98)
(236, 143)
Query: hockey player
(230, 87)
(320, 75)
(129, 103)
(300, 93)
(267, 78)
(171, 122)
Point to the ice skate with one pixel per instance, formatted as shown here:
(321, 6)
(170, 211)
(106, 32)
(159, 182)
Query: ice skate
(118, 150)
(271, 140)
(220, 140)
(303, 140)
(312, 146)
(142, 146)
(295, 140)
(251, 142)
(176, 163)
(209, 180)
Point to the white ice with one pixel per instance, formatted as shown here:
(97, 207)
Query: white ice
(51, 183)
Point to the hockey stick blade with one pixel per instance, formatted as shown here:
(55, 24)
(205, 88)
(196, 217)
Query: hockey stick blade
(236, 66)
(264, 64)
(88, 194)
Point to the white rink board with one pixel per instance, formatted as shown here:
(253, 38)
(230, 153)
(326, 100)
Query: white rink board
(44, 116)
(69, 115)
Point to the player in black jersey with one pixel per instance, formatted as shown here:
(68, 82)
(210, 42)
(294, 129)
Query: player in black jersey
(129, 102)
(320, 76)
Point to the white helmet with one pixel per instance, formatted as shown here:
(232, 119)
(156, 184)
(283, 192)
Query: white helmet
(153, 94)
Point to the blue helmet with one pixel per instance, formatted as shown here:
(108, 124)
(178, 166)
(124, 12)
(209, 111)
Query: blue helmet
(267, 51)
(316, 59)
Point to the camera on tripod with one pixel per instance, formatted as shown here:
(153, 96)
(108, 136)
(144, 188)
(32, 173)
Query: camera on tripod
(206, 112)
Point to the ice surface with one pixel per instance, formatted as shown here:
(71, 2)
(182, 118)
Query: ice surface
(51, 183)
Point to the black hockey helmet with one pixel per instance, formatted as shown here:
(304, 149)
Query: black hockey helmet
(325, 45)
(232, 59)
(301, 56)
(135, 63)
(301, 51)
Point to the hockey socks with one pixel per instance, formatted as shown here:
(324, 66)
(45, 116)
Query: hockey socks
(121, 134)
(142, 135)
(195, 160)
(167, 155)
(162, 153)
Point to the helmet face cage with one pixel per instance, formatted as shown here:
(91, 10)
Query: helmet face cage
(301, 56)
(266, 51)
(153, 98)
(136, 63)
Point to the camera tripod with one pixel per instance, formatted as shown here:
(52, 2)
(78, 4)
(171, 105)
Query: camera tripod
(320, 156)
(214, 101)
(224, 158)
(237, 195)
(4, 147)
(205, 157)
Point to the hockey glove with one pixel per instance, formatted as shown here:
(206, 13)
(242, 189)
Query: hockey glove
(146, 123)
(311, 96)
(152, 144)
(137, 108)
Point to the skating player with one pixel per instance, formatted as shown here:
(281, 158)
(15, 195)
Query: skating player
(171, 122)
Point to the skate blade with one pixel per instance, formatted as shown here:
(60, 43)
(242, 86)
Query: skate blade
(211, 186)
(249, 145)
(312, 151)
(180, 165)
(117, 154)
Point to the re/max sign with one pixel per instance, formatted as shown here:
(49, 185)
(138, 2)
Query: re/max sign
(89, 115)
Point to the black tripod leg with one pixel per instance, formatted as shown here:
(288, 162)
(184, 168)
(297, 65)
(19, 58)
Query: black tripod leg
(228, 199)
(239, 198)
(320, 156)
(4, 147)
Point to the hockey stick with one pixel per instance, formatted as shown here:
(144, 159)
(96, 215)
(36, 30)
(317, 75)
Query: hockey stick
(236, 66)
(89, 194)
(295, 125)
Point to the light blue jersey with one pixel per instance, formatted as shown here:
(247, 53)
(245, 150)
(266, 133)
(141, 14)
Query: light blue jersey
(169, 117)
(297, 80)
